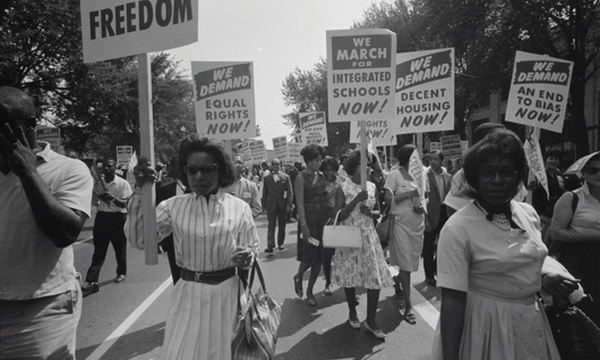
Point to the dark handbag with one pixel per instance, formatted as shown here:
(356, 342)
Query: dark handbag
(255, 333)
(575, 335)
(385, 227)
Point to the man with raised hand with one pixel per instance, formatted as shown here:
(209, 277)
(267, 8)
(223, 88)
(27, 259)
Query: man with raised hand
(45, 199)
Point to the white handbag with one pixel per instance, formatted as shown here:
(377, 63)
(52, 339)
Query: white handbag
(341, 236)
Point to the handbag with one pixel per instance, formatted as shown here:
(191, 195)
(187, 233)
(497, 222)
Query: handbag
(255, 333)
(385, 227)
(575, 335)
(341, 236)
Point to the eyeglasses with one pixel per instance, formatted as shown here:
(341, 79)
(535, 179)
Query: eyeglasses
(504, 174)
(206, 169)
(592, 170)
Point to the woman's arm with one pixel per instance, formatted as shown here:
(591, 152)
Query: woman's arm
(399, 197)
(299, 186)
(347, 209)
(561, 219)
(452, 316)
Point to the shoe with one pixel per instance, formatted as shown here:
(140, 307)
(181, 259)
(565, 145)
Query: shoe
(431, 282)
(120, 278)
(280, 248)
(312, 302)
(91, 288)
(355, 324)
(298, 286)
(327, 291)
(377, 333)
(409, 317)
(269, 250)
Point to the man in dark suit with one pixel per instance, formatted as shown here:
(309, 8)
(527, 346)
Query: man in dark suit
(277, 199)
(439, 185)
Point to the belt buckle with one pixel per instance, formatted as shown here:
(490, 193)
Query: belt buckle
(198, 276)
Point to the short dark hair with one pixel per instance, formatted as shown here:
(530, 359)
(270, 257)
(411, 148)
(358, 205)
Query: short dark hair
(483, 130)
(555, 154)
(311, 152)
(499, 143)
(404, 153)
(587, 164)
(437, 152)
(330, 162)
(353, 162)
(194, 143)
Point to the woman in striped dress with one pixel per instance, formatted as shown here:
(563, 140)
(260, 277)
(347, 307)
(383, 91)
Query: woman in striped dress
(214, 233)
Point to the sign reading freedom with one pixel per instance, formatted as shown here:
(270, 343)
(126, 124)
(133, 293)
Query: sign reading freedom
(117, 28)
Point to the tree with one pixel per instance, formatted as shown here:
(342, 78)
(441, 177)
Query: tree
(306, 91)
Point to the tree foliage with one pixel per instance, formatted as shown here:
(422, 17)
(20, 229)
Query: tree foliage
(94, 105)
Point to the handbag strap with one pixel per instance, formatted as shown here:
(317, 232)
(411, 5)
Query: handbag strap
(335, 222)
(247, 283)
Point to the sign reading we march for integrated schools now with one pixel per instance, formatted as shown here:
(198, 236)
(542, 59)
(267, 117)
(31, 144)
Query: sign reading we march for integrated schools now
(113, 29)
(425, 91)
(224, 99)
(361, 74)
(539, 91)
(313, 128)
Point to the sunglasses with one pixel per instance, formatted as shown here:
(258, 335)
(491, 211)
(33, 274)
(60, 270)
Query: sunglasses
(206, 169)
(592, 170)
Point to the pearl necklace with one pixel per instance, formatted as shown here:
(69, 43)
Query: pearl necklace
(501, 221)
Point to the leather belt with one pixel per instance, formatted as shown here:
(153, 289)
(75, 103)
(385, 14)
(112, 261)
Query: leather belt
(212, 277)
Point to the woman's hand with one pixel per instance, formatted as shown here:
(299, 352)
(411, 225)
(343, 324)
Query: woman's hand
(361, 196)
(242, 257)
(143, 172)
(558, 285)
(305, 232)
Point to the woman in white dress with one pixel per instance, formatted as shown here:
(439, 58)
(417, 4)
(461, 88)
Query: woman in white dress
(490, 257)
(365, 266)
(214, 235)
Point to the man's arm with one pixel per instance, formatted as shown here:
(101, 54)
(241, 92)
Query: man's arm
(289, 192)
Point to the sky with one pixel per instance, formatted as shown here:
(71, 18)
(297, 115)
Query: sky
(277, 36)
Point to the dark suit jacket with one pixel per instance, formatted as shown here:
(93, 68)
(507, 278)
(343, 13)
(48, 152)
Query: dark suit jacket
(277, 194)
(436, 198)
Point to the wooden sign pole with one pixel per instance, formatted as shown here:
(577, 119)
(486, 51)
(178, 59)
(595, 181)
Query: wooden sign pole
(363, 155)
(147, 150)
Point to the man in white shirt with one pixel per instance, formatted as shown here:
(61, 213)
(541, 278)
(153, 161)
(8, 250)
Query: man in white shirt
(244, 188)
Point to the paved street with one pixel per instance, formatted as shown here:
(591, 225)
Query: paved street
(127, 320)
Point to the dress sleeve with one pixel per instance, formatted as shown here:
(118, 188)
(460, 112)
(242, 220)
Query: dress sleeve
(454, 258)
(391, 182)
(134, 226)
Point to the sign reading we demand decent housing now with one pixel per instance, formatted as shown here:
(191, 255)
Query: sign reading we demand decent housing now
(361, 74)
(224, 99)
(117, 28)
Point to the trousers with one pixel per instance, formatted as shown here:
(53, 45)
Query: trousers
(108, 229)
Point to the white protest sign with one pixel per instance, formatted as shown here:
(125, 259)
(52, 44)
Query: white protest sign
(539, 91)
(51, 135)
(124, 154)
(313, 128)
(258, 151)
(533, 153)
(451, 146)
(435, 145)
(294, 152)
(113, 29)
(361, 74)
(244, 150)
(224, 99)
(379, 132)
(280, 147)
(425, 91)
(416, 171)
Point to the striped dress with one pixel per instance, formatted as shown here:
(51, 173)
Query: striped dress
(206, 233)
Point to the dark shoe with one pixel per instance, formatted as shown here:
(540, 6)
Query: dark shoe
(431, 282)
(312, 302)
(269, 250)
(280, 247)
(120, 278)
(409, 317)
(90, 288)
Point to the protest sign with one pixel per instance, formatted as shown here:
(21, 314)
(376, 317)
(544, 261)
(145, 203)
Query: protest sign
(451, 146)
(539, 91)
(379, 132)
(533, 153)
(258, 151)
(464, 146)
(361, 74)
(124, 154)
(294, 149)
(280, 147)
(425, 91)
(117, 28)
(51, 135)
(435, 145)
(313, 128)
(224, 99)
(244, 150)
(416, 171)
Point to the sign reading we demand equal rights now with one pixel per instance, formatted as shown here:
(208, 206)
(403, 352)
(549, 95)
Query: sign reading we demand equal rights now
(224, 99)
(425, 91)
(539, 91)
(361, 74)
(113, 29)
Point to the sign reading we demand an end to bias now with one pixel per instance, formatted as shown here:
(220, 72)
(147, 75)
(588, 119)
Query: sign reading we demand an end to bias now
(361, 74)
(425, 91)
(313, 128)
(113, 29)
(224, 99)
(539, 91)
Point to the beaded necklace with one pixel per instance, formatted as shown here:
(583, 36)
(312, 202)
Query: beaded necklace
(500, 220)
